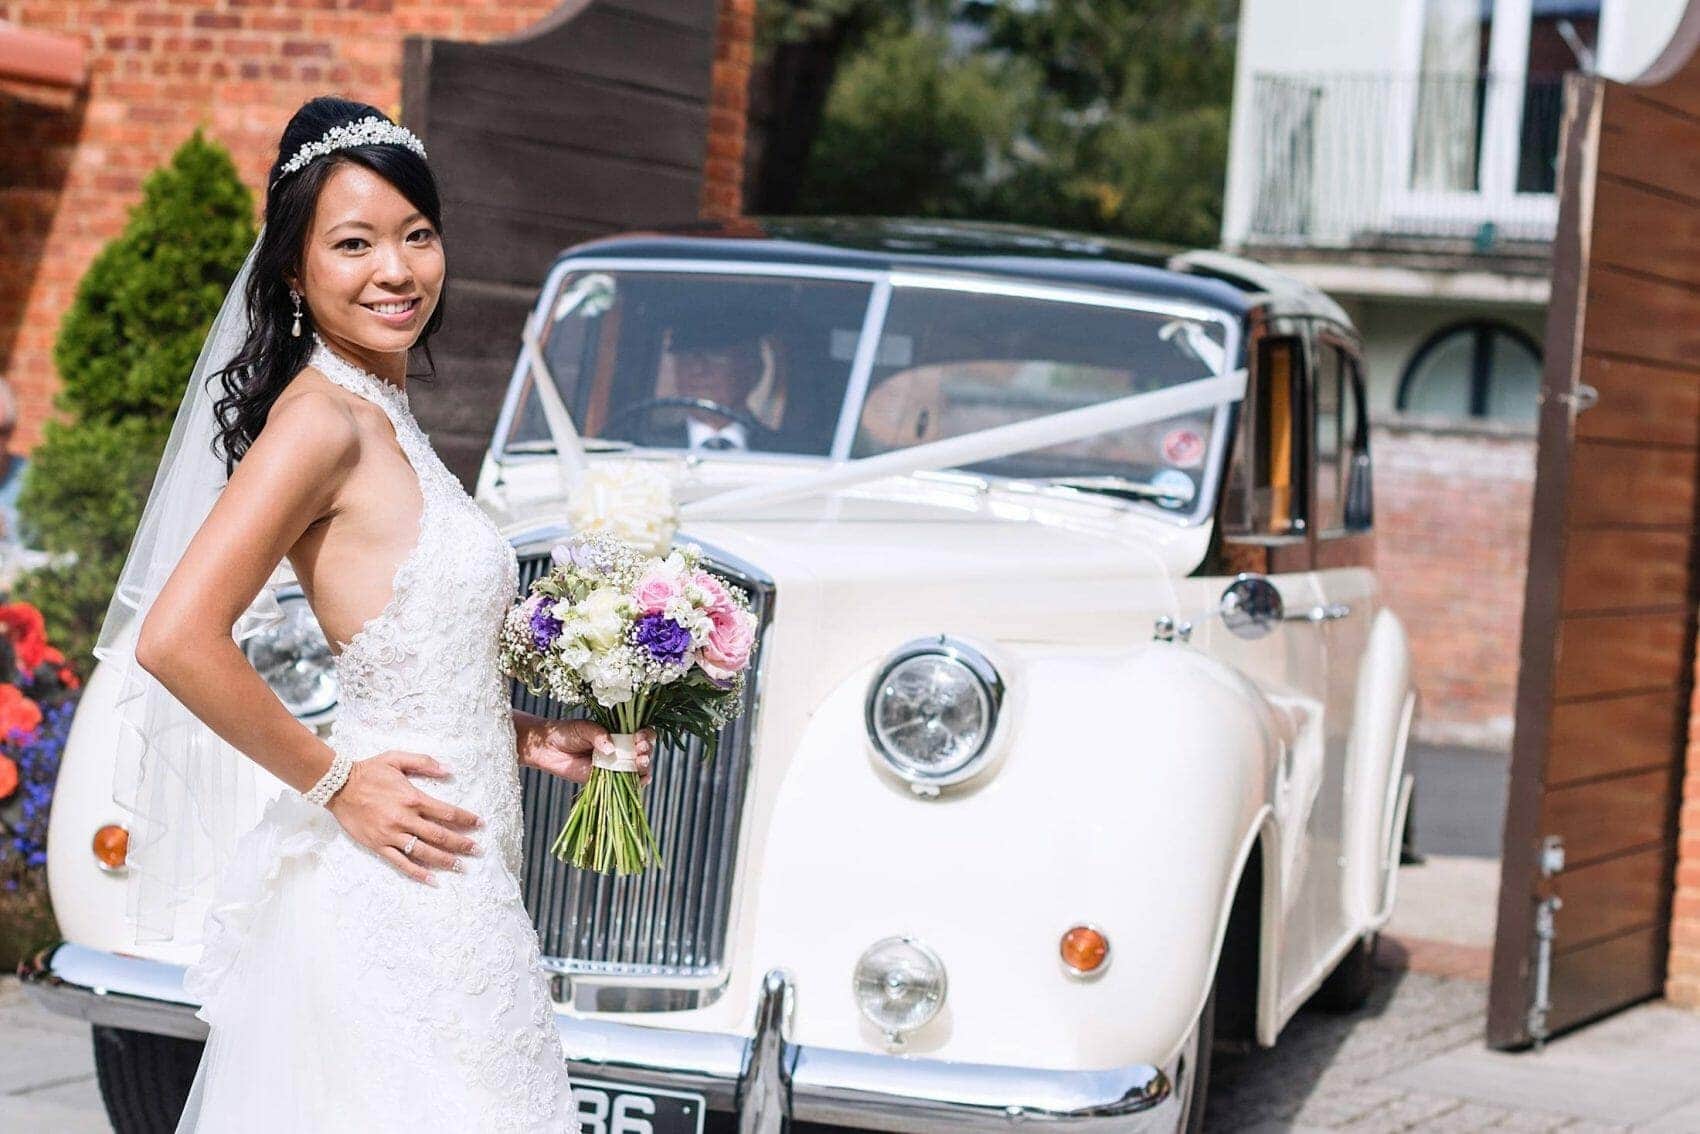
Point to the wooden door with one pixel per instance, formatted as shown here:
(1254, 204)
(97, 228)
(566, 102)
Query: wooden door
(1608, 630)
(592, 122)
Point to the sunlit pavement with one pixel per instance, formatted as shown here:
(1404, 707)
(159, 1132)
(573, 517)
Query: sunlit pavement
(47, 1082)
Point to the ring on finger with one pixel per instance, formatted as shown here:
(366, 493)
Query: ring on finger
(407, 851)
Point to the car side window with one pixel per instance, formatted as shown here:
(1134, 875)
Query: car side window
(1267, 480)
(1341, 436)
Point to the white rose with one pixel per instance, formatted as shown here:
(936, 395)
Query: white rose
(630, 500)
(600, 620)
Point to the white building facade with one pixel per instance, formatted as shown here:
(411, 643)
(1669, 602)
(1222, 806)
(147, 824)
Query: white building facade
(1402, 155)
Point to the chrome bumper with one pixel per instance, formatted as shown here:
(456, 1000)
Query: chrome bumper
(764, 1078)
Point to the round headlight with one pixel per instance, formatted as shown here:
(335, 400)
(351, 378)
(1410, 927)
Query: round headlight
(295, 659)
(900, 985)
(932, 709)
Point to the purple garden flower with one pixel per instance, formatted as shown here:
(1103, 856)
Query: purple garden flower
(545, 627)
(665, 639)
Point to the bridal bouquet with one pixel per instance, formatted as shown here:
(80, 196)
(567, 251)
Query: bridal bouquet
(637, 641)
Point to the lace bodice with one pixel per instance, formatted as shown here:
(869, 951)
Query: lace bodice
(429, 659)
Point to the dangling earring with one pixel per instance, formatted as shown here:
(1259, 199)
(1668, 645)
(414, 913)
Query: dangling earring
(295, 298)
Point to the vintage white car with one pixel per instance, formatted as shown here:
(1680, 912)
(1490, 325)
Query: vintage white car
(1076, 740)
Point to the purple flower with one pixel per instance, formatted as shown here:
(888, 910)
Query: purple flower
(545, 627)
(665, 639)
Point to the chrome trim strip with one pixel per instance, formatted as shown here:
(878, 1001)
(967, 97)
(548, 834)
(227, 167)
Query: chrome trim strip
(870, 1090)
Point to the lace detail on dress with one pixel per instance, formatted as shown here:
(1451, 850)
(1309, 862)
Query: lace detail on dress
(431, 982)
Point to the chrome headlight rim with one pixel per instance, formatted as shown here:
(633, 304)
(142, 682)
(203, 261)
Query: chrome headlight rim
(288, 596)
(933, 961)
(984, 673)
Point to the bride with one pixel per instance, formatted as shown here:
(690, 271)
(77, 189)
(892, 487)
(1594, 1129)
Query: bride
(366, 964)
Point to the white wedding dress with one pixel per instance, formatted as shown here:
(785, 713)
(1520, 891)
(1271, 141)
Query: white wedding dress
(344, 997)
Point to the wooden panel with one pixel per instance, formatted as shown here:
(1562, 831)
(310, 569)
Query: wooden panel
(1641, 402)
(1663, 235)
(1649, 143)
(1615, 734)
(1610, 898)
(1613, 483)
(1620, 653)
(1608, 569)
(625, 48)
(1607, 817)
(1641, 317)
(582, 114)
(1602, 978)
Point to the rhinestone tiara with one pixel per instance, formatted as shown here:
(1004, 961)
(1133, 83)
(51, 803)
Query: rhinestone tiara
(368, 131)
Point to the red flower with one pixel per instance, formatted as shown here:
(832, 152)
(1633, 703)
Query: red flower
(68, 677)
(23, 624)
(8, 776)
(17, 711)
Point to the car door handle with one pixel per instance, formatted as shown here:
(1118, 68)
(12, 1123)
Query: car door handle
(1330, 612)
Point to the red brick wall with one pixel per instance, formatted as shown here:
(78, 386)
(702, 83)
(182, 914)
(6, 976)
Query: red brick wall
(1682, 980)
(1452, 533)
(71, 168)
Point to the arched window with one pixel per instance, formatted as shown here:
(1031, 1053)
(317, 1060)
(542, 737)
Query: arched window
(1479, 368)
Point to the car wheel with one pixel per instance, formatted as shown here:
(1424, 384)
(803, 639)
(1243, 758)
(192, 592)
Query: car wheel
(144, 1078)
(1196, 1066)
(1349, 986)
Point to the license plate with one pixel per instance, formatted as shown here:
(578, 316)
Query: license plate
(614, 1108)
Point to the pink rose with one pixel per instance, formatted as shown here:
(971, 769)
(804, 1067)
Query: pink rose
(727, 650)
(717, 598)
(656, 591)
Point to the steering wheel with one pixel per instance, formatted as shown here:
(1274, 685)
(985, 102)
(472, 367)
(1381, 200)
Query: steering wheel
(648, 406)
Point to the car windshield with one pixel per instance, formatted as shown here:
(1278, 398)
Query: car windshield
(750, 364)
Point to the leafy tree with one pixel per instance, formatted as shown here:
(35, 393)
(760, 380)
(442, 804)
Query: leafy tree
(125, 351)
(1103, 115)
(909, 131)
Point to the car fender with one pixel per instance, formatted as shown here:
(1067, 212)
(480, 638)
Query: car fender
(1378, 792)
(1127, 793)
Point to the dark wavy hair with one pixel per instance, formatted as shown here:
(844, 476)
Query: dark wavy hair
(271, 357)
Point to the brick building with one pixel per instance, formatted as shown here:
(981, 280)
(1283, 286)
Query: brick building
(73, 153)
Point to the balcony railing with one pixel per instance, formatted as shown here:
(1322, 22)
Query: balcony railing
(1447, 163)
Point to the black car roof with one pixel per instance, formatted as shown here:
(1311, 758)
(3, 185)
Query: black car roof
(1011, 251)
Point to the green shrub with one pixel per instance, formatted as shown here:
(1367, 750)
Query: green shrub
(125, 350)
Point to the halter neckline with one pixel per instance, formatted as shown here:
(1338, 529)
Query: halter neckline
(355, 379)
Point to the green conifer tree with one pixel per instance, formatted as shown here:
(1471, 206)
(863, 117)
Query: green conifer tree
(124, 353)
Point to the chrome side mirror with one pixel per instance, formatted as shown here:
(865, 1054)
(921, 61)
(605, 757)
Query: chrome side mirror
(1251, 607)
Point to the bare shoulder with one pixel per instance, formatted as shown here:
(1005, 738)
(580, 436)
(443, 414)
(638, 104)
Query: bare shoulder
(311, 427)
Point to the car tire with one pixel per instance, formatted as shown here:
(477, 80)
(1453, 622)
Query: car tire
(1349, 986)
(144, 1078)
(1198, 1075)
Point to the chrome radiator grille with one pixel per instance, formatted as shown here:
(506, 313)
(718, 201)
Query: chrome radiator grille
(669, 921)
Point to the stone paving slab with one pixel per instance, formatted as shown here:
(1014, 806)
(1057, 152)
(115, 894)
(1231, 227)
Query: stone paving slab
(1414, 1060)
(47, 1079)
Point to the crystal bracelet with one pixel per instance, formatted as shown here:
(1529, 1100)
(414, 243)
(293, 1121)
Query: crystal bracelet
(335, 776)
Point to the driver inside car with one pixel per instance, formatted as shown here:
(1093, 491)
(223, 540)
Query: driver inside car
(718, 363)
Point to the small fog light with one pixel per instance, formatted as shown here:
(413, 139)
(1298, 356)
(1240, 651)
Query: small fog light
(899, 985)
(111, 846)
(1085, 950)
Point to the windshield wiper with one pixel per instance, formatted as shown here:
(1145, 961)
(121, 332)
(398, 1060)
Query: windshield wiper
(1121, 486)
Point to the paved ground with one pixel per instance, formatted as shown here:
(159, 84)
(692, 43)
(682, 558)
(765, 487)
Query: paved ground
(46, 1071)
(1412, 1061)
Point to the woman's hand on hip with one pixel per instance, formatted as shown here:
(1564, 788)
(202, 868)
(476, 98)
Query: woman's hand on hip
(382, 810)
(564, 748)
